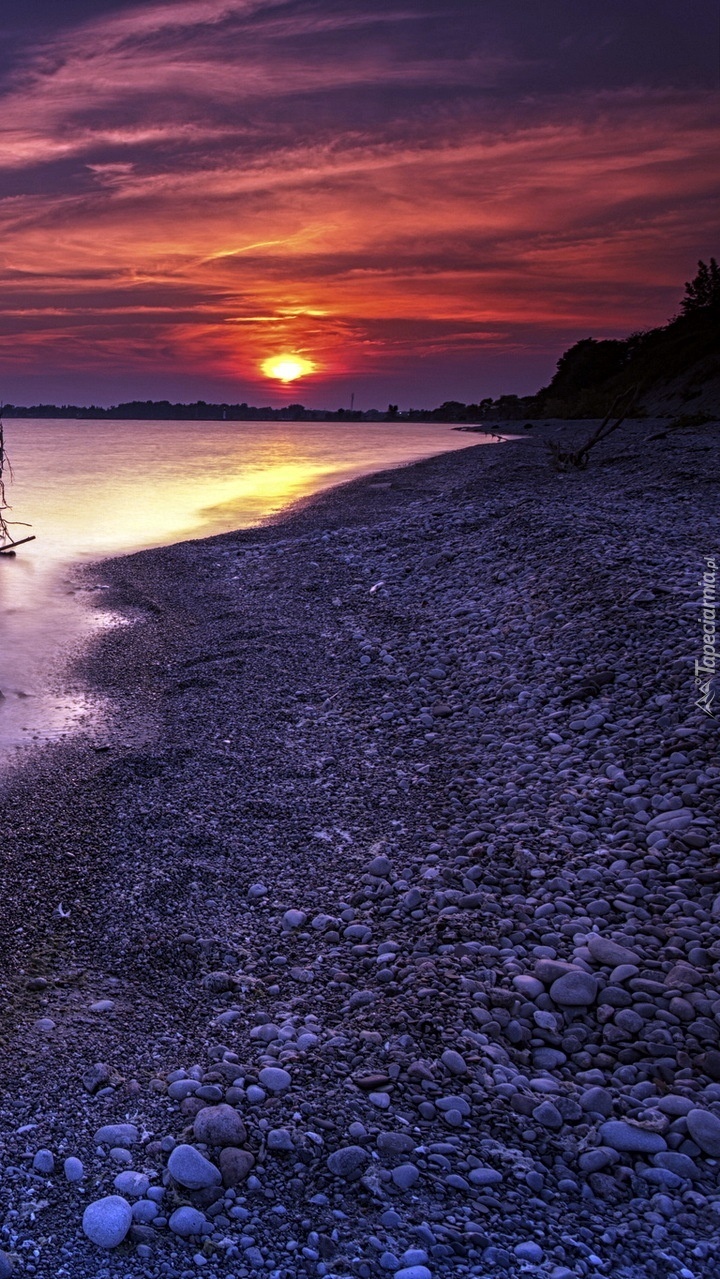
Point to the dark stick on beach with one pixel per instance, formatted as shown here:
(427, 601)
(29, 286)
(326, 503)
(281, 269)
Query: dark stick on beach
(620, 409)
(377, 931)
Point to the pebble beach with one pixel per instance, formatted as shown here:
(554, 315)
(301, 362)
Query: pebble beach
(375, 930)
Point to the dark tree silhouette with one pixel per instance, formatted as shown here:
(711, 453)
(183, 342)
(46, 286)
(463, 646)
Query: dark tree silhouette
(587, 364)
(704, 290)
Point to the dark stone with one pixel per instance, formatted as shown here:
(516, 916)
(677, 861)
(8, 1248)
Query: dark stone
(369, 1083)
(235, 1164)
(604, 1187)
(709, 1063)
(96, 1077)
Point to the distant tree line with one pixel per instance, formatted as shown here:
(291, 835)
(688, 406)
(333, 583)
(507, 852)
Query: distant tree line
(201, 411)
(589, 375)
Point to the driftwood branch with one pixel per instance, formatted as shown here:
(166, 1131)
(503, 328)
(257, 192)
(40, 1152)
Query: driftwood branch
(621, 407)
(7, 540)
(7, 548)
(4, 465)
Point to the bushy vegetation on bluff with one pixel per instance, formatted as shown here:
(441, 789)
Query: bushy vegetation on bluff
(593, 372)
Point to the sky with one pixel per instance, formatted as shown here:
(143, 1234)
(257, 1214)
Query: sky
(416, 200)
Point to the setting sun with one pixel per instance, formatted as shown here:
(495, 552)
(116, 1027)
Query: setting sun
(287, 367)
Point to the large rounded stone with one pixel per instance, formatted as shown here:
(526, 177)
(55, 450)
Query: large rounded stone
(107, 1221)
(7, 1266)
(704, 1128)
(626, 1138)
(235, 1165)
(347, 1160)
(219, 1126)
(191, 1169)
(574, 990)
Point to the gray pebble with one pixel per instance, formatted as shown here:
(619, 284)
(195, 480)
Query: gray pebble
(682, 1165)
(405, 1176)
(574, 990)
(609, 952)
(548, 1115)
(379, 866)
(394, 1143)
(344, 1162)
(191, 1169)
(293, 919)
(145, 1211)
(179, 1089)
(280, 1139)
(529, 1252)
(120, 1155)
(459, 1104)
(186, 1221)
(454, 1062)
(73, 1168)
(598, 1100)
(275, 1078)
(623, 1137)
(117, 1135)
(219, 1126)
(484, 1177)
(704, 1128)
(133, 1184)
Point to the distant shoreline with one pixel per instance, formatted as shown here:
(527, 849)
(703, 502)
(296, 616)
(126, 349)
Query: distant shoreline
(452, 413)
(163, 411)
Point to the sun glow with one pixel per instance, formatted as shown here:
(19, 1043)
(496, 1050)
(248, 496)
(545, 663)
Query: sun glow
(286, 368)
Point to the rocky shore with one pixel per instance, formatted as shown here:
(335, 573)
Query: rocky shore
(376, 932)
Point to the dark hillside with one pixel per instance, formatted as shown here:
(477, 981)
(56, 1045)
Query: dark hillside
(671, 365)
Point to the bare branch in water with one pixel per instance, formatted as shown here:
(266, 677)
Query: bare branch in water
(5, 469)
(4, 463)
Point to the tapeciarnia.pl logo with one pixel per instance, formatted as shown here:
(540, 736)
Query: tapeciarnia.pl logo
(706, 668)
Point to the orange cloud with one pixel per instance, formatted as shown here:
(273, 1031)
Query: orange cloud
(219, 199)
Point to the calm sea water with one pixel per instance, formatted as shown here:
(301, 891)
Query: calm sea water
(94, 489)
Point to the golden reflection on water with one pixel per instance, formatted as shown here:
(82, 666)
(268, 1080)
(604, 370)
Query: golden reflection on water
(93, 489)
